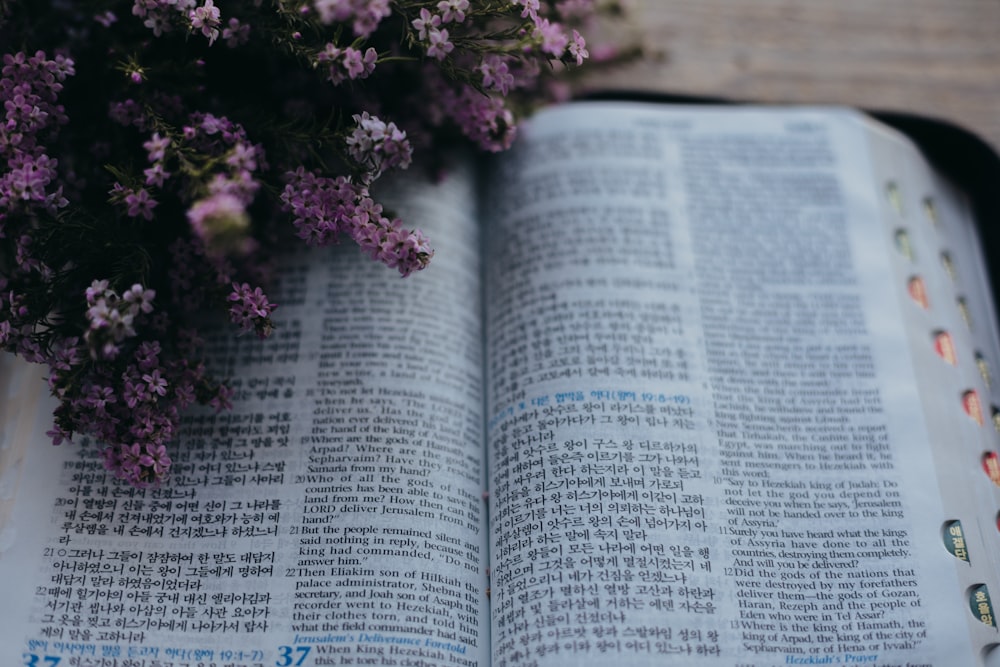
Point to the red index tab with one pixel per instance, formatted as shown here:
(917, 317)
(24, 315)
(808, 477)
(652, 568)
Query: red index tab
(972, 406)
(991, 464)
(945, 347)
(918, 291)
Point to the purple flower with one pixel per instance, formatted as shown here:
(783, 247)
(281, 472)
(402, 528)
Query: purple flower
(453, 10)
(236, 33)
(98, 398)
(346, 64)
(156, 147)
(366, 14)
(140, 204)
(243, 157)
(425, 22)
(59, 435)
(250, 310)
(147, 355)
(578, 10)
(140, 465)
(135, 393)
(552, 37)
(321, 207)
(578, 48)
(377, 145)
(155, 383)
(220, 221)
(406, 251)
(439, 44)
(140, 300)
(359, 66)
(496, 74)
(127, 113)
(222, 400)
(212, 125)
(530, 10)
(206, 19)
(156, 175)
(106, 19)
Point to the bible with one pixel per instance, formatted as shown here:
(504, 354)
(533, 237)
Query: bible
(683, 385)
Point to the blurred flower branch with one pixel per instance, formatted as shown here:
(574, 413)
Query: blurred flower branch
(151, 149)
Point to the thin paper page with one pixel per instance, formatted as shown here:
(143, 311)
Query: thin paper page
(335, 514)
(705, 438)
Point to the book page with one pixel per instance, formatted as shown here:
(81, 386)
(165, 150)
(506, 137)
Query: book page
(706, 440)
(334, 516)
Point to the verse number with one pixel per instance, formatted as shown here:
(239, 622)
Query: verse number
(33, 660)
(288, 655)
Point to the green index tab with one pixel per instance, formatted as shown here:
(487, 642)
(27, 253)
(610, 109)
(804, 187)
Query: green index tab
(954, 540)
(903, 245)
(979, 603)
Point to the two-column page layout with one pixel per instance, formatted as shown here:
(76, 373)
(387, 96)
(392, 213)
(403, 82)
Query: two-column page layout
(681, 386)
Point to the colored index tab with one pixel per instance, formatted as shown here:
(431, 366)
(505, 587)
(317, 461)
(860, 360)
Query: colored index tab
(984, 369)
(981, 606)
(991, 465)
(963, 310)
(893, 195)
(918, 291)
(903, 245)
(954, 540)
(948, 264)
(972, 406)
(945, 347)
(930, 210)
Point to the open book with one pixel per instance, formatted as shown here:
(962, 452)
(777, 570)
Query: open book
(724, 373)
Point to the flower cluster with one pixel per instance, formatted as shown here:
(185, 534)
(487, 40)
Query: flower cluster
(147, 147)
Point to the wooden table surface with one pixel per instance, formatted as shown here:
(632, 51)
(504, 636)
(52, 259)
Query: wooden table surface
(939, 58)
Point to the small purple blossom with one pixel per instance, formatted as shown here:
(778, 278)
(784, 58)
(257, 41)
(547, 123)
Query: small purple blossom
(139, 203)
(347, 63)
(552, 37)
(320, 206)
(206, 19)
(156, 147)
(140, 465)
(155, 383)
(364, 15)
(222, 399)
(578, 48)
(496, 74)
(127, 113)
(243, 157)
(377, 145)
(106, 19)
(236, 33)
(425, 22)
(156, 175)
(531, 8)
(438, 43)
(100, 398)
(453, 10)
(250, 310)
(220, 221)
(139, 300)
(111, 318)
